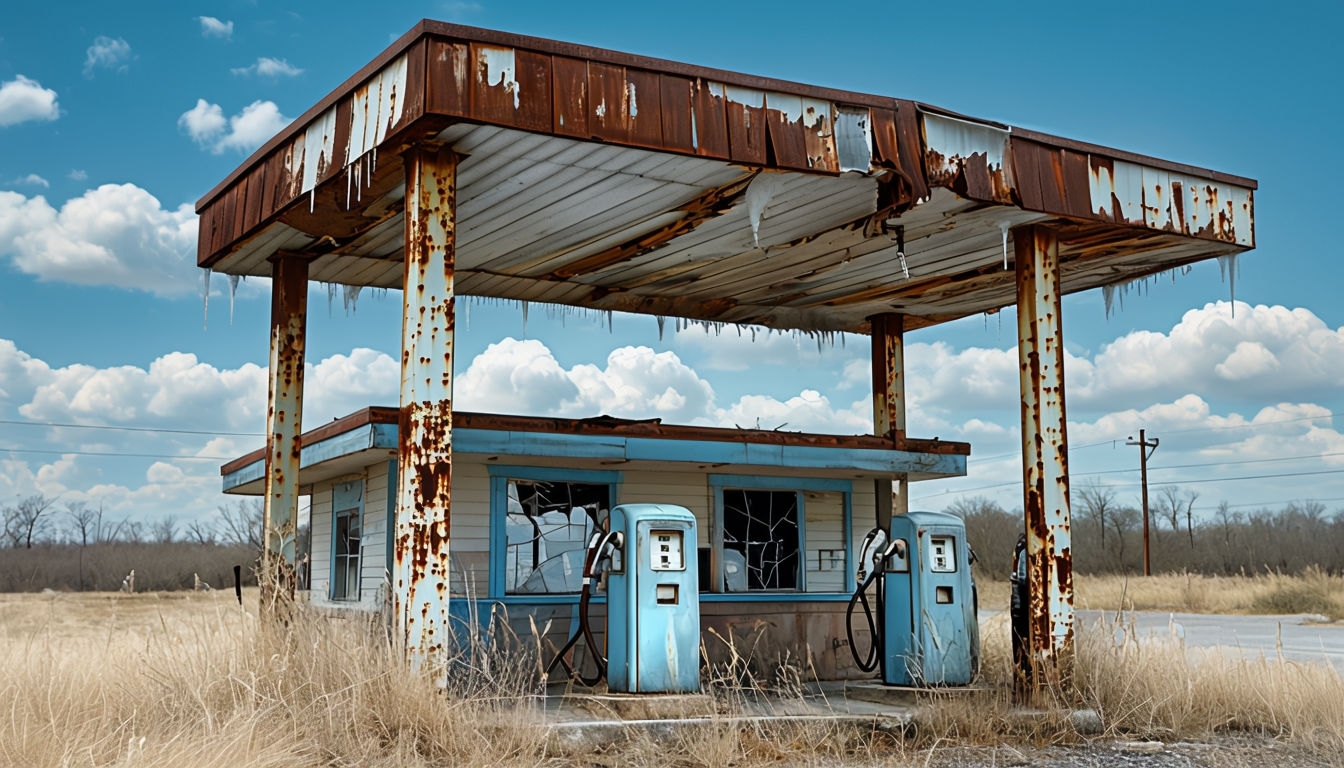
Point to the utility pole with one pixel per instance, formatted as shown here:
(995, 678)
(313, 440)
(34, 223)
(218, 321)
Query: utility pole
(1144, 444)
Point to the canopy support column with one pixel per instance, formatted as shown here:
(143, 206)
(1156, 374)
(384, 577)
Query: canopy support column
(424, 456)
(284, 417)
(888, 364)
(1040, 347)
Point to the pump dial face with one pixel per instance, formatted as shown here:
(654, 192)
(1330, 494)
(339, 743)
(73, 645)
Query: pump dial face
(666, 552)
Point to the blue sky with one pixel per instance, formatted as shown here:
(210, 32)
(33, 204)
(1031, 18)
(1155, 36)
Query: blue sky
(115, 119)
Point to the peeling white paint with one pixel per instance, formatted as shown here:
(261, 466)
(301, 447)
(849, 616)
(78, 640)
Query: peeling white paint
(854, 138)
(601, 110)
(630, 96)
(715, 90)
(759, 192)
(953, 138)
(501, 69)
(1165, 200)
(789, 106)
(318, 147)
(375, 107)
(747, 97)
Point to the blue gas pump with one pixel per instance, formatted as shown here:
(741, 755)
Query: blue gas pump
(925, 631)
(653, 602)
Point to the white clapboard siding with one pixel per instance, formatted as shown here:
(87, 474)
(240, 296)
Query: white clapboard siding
(824, 530)
(469, 545)
(684, 489)
(319, 563)
(374, 576)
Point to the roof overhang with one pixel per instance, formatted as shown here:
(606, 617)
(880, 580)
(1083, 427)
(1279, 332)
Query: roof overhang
(617, 182)
(347, 446)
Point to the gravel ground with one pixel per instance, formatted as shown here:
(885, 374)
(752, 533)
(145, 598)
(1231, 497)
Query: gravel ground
(1221, 754)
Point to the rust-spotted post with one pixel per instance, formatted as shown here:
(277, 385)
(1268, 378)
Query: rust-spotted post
(426, 419)
(888, 358)
(1040, 350)
(284, 416)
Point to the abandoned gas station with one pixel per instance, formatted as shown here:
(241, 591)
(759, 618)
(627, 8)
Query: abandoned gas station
(465, 161)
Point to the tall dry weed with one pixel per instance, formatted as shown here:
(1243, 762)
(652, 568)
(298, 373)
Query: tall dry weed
(219, 688)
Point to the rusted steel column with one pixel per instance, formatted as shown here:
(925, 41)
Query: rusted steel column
(1040, 350)
(888, 358)
(284, 416)
(426, 422)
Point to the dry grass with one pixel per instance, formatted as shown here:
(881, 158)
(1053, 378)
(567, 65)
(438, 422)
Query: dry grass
(1150, 690)
(192, 680)
(1312, 592)
(144, 680)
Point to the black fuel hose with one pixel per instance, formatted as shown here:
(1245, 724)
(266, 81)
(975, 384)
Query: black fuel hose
(596, 546)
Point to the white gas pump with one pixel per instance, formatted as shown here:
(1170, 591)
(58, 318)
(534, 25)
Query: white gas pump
(924, 630)
(653, 602)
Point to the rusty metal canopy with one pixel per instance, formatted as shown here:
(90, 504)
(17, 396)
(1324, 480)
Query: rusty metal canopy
(617, 182)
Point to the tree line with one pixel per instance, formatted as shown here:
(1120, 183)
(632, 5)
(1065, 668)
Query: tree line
(46, 544)
(1106, 535)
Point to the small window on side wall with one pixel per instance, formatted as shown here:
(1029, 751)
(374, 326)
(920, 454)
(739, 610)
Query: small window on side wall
(347, 503)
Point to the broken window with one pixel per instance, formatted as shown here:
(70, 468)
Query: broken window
(547, 526)
(761, 541)
(347, 498)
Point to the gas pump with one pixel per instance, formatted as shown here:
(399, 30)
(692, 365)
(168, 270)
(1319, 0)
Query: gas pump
(924, 629)
(653, 601)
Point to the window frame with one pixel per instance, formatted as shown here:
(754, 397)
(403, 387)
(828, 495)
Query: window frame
(801, 486)
(347, 500)
(500, 475)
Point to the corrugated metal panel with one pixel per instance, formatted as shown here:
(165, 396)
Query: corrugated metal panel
(969, 157)
(1126, 193)
(854, 138)
(374, 108)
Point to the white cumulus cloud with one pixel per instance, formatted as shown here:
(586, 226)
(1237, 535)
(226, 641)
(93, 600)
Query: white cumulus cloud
(212, 27)
(23, 99)
(253, 126)
(269, 67)
(1243, 358)
(106, 53)
(31, 180)
(117, 234)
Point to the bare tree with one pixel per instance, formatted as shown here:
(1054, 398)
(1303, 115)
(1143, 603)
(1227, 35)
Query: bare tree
(240, 523)
(200, 532)
(132, 531)
(85, 522)
(1169, 505)
(1123, 519)
(1097, 503)
(1190, 516)
(164, 529)
(29, 519)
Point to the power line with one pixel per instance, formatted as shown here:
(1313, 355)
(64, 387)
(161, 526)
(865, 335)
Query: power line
(130, 429)
(121, 455)
(1113, 441)
(1130, 485)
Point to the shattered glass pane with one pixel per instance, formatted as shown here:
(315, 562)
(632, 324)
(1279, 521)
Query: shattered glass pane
(762, 528)
(547, 526)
